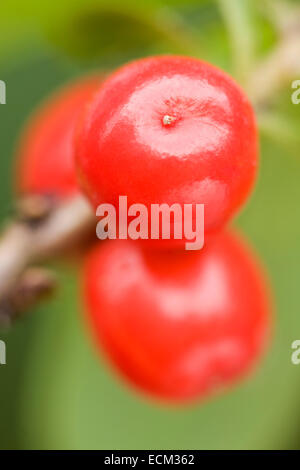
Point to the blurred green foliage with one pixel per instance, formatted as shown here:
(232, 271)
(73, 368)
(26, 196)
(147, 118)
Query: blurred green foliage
(54, 392)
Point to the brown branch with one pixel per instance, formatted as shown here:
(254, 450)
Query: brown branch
(282, 65)
(33, 285)
(280, 68)
(34, 239)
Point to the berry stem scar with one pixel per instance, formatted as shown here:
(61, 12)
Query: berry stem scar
(168, 120)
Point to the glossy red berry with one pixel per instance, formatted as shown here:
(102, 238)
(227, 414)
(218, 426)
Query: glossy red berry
(179, 325)
(169, 130)
(45, 161)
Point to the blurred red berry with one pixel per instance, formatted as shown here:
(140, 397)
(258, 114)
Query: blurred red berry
(45, 153)
(179, 325)
(169, 130)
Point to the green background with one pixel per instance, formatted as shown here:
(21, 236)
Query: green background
(54, 392)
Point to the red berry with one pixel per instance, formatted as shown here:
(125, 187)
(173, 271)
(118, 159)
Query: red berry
(179, 325)
(45, 153)
(169, 130)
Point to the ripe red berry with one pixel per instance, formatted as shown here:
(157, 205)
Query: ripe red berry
(45, 152)
(179, 325)
(169, 130)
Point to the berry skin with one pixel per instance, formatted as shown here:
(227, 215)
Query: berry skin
(178, 325)
(45, 153)
(169, 130)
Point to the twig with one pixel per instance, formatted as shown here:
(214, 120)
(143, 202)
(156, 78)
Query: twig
(33, 285)
(278, 70)
(32, 240)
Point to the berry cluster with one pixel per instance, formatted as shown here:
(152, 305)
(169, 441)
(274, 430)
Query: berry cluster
(168, 130)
